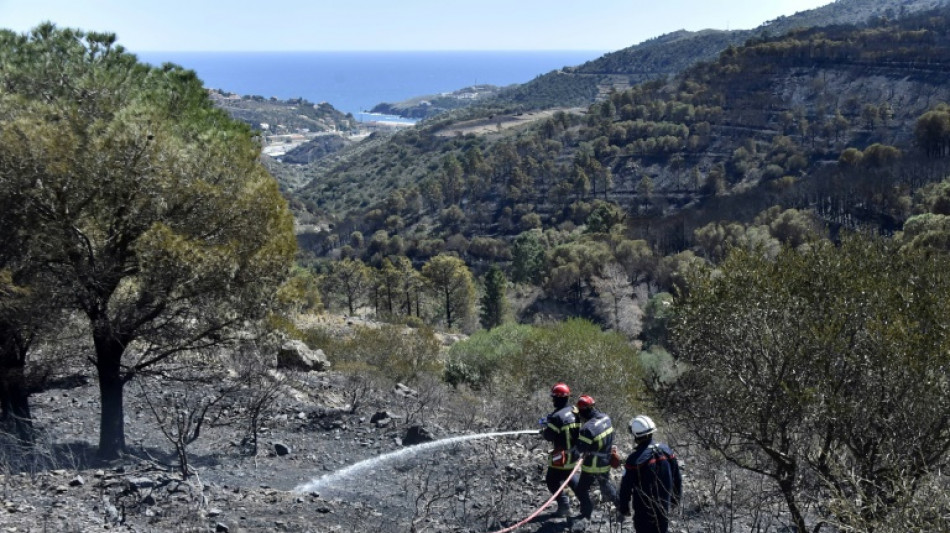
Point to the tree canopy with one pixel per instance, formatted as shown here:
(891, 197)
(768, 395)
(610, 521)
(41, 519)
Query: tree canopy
(148, 207)
(822, 369)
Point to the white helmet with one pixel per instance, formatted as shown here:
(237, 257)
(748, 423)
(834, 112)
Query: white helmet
(641, 426)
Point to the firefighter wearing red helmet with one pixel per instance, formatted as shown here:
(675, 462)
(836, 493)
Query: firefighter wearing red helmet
(560, 428)
(594, 441)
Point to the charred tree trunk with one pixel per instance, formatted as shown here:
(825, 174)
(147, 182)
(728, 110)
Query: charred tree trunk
(109, 352)
(14, 391)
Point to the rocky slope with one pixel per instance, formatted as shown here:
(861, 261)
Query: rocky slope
(310, 431)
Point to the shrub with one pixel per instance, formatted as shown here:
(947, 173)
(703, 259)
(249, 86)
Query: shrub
(477, 360)
(398, 352)
(591, 361)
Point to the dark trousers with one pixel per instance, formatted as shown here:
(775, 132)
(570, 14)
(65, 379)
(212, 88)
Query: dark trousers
(555, 478)
(650, 519)
(607, 490)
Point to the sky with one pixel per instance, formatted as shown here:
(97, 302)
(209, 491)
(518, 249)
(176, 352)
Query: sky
(335, 25)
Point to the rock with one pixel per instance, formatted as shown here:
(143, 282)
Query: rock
(295, 354)
(383, 415)
(139, 483)
(281, 449)
(77, 481)
(213, 512)
(404, 391)
(417, 435)
(221, 528)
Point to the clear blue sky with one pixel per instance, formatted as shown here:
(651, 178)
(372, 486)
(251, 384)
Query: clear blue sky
(243, 25)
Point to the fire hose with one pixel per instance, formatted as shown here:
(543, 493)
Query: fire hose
(547, 503)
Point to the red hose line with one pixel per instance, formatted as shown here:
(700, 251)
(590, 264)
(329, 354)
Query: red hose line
(547, 503)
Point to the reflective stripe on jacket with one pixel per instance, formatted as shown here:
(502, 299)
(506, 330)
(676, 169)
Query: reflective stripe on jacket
(561, 430)
(594, 441)
(651, 481)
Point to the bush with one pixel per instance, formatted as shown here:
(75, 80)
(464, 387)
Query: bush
(601, 364)
(398, 352)
(476, 361)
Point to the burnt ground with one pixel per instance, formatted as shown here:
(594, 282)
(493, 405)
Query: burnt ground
(309, 431)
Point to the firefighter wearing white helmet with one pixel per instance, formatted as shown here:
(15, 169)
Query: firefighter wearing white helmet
(641, 426)
(651, 480)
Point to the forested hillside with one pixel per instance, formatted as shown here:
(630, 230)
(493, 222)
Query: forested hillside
(670, 54)
(753, 252)
(774, 121)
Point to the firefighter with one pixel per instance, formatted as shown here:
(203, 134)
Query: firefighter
(594, 441)
(651, 480)
(560, 429)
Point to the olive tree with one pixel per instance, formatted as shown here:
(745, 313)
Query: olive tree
(148, 207)
(823, 369)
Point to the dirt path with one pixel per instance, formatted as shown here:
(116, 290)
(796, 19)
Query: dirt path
(497, 123)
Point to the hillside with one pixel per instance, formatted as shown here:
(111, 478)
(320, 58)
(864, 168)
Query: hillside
(277, 117)
(670, 54)
(763, 123)
(427, 106)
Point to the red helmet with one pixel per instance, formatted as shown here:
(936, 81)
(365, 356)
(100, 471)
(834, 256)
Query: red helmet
(560, 390)
(585, 402)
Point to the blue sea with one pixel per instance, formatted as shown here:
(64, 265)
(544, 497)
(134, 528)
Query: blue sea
(354, 82)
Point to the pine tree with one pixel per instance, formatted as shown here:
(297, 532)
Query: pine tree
(494, 304)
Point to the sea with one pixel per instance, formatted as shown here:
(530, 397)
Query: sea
(355, 82)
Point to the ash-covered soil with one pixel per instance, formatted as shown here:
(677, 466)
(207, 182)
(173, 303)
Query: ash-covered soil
(311, 430)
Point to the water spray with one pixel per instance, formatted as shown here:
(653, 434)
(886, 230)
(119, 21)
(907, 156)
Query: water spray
(328, 480)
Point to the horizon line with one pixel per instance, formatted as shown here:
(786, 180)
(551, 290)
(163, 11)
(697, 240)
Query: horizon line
(376, 51)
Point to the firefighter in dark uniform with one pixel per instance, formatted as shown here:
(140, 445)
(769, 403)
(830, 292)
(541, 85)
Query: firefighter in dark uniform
(560, 429)
(594, 441)
(651, 480)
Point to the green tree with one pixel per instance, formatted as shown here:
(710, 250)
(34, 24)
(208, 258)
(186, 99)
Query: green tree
(817, 370)
(451, 282)
(350, 279)
(527, 258)
(149, 206)
(604, 217)
(494, 302)
(409, 285)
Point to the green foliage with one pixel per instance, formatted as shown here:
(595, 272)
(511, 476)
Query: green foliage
(602, 364)
(512, 359)
(604, 217)
(659, 367)
(397, 352)
(527, 261)
(349, 280)
(148, 207)
(826, 360)
(480, 360)
(494, 302)
(301, 292)
(932, 131)
(450, 281)
(656, 316)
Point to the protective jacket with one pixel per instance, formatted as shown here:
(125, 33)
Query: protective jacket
(561, 430)
(652, 482)
(594, 440)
